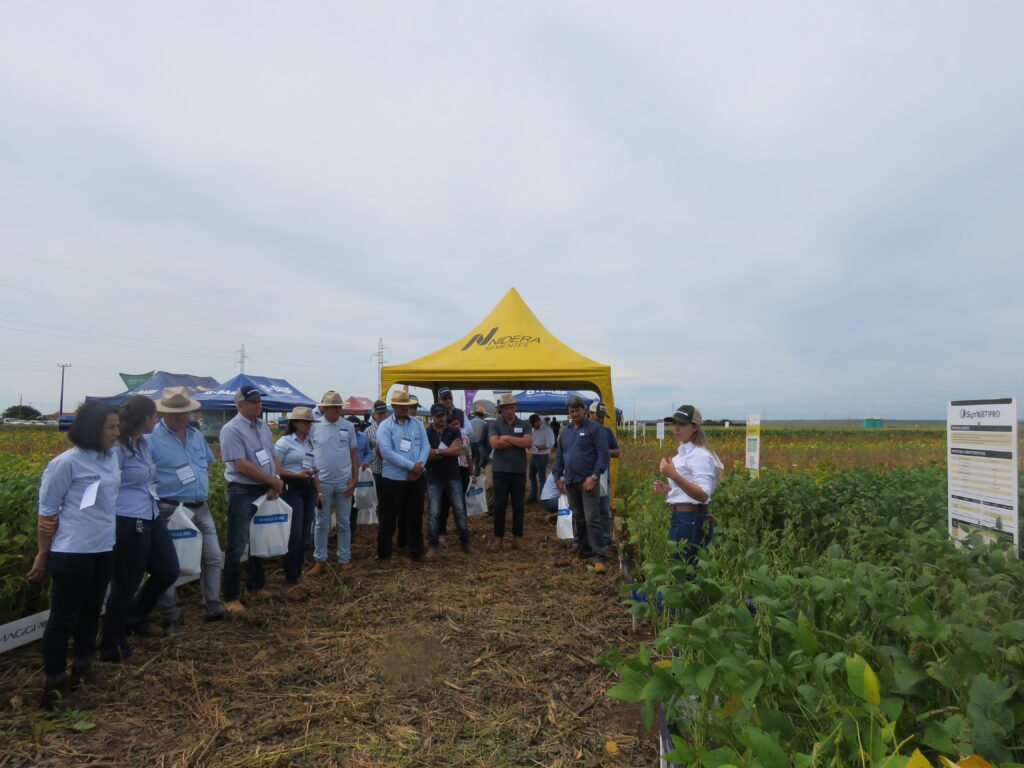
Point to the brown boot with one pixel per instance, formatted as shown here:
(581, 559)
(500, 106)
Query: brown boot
(495, 544)
(344, 567)
(466, 548)
(316, 569)
(429, 555)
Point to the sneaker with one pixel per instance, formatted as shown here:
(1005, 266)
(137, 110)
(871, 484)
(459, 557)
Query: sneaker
(316, 569)
(233, 606)
(344, 567)
(600, 567)
(172, 628)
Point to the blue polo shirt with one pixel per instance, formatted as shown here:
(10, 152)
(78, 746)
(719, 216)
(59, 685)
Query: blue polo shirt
(81, 486)
(402, 446)
(582, 451)
(181, 468)
(137, 497)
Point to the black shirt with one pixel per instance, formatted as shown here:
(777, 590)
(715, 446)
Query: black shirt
(447, 467)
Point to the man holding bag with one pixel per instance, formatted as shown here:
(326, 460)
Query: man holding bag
(336, 457)
(182, 458)
(251, 470)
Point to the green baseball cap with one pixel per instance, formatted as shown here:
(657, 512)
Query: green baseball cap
(685, 414)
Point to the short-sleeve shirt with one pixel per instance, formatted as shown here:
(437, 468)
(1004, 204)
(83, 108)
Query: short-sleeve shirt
(510, 459)
(295, 455)
(67, 486)
(244, 439)
(446, 468)
(181, 468)
(332, 446)
(137, 496)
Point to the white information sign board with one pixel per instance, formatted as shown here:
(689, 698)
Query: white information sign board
(981, 444)
(660, 431)
(754, 444)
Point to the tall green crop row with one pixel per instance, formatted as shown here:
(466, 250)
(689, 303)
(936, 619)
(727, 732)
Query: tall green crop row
(830, 623)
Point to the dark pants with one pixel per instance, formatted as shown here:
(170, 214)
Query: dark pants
(79, 582)
(538, 474)
(692, 531)
(141, 546)
(586, 519)
(401, 504)
(300, 495)
(481, 455)
(241, 509)
(509, 484)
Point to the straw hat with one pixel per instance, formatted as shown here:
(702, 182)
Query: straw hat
(507, 399)
(331, 398)
(402, 397)
(176, 400)
(301, 413)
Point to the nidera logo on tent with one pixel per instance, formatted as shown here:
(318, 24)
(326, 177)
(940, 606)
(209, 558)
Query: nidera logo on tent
(492, 342)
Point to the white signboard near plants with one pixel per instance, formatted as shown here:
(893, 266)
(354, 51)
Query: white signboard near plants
(981, 443)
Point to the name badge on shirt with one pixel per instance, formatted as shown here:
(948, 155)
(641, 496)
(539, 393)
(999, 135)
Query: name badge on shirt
(518, 430)
(405, 445)
(262, 456)
(89, 497)
(185, 474)
(307, 463)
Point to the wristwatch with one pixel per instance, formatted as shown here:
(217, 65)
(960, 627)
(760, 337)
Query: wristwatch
(595, 478)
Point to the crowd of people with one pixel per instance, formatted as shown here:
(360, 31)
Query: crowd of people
(104, 504)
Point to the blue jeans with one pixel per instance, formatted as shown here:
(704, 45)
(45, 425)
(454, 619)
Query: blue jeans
(333, 498)
(140, 546)
(441, 491)
(241, 509)
(538, 474)
(692, 531)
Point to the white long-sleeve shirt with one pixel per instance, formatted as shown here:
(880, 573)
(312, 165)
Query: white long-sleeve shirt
(697, 465)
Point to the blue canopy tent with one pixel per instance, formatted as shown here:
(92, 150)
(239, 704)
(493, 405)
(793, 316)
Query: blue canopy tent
(278, 394)
(548, 400)
(154, 386)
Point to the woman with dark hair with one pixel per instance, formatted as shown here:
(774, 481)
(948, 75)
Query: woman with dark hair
(77, 496)
(143, 541)
(301, 493)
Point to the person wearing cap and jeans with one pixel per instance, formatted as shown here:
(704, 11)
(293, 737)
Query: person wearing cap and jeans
(581, 460)
(295, 456)
(598, 412)
(251, 470)
(543, 439)
(404, 449)
(444, 486)
(182, 457)
(336, 455)
(692, 476)
(510, 438)
(380, 412)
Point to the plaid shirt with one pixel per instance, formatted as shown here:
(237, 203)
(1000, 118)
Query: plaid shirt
(376, 463)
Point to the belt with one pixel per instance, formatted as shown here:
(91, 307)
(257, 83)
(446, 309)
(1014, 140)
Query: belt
(249, 487)
(688, 507)
(189, 504)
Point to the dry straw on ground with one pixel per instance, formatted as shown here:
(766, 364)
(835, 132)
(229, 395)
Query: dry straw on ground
(484, 660)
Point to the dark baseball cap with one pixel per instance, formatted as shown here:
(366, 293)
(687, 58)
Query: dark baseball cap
(599, 408)
(380, 407)
(248, 393)
(444, 392)
(437, 408)
(685, 414)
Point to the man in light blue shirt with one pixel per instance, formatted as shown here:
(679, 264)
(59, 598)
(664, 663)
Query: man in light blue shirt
(182, 459)
(403, 445)
(336, 456)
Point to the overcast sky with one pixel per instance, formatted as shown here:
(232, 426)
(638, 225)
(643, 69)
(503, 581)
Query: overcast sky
(794, 208)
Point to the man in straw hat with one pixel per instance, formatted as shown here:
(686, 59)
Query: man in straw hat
(251, 470)
(182, 458)
(510, 438)
(337, 458)
(404, 448)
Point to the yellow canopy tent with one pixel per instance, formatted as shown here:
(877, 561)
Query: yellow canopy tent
(508, 349)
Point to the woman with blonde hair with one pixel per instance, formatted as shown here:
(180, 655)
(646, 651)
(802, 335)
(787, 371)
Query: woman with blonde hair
(692, 476)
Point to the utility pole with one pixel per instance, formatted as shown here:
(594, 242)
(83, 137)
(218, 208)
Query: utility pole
(62, 366)
(241, 359)
(382, 359)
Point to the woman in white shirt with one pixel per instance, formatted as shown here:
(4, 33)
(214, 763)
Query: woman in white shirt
(692, 475)
(77, 499)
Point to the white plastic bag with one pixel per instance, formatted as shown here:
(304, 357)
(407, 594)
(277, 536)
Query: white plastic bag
(270, 528)
(564, 528)
(476, 501)
(366, 491)
(367, 516)
(188, 542)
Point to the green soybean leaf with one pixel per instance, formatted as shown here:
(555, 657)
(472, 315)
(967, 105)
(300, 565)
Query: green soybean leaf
(805, 635)
(762, 744)
(862, 680)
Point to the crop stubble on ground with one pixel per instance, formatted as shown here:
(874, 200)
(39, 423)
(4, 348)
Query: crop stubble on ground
(477, 661)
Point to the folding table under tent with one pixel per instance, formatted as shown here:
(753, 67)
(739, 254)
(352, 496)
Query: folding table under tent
(509, 349)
